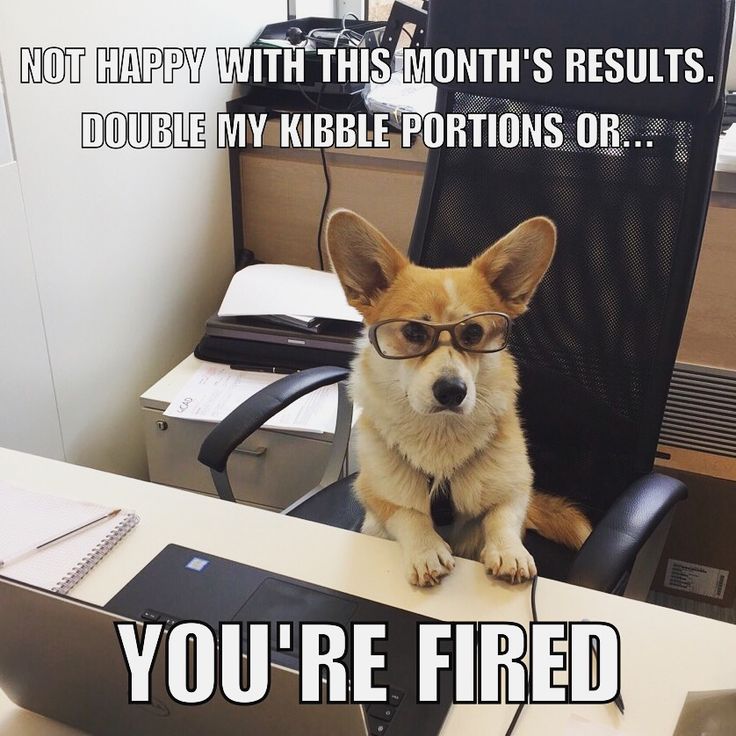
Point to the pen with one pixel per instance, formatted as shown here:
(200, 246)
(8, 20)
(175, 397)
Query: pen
(263, 369)
(618, 700)
(57, 538)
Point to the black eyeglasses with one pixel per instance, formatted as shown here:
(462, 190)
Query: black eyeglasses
(397, 339)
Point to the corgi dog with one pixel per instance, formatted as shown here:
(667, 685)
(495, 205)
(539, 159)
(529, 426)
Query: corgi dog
(439, 427)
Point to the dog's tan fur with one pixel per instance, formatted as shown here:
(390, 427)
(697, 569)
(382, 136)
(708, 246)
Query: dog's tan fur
(403, 438)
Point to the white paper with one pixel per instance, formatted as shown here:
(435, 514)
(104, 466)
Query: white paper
(273, 288)
(726, 160)
(215, 390)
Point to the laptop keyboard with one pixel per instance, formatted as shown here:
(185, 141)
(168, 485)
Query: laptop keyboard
(379, 716)
(150, 616)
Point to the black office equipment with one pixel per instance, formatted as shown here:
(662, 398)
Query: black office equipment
(240, 341)
(185, 584)
(401, 18)
(597, 349)
(317, 33)
(244, 341)
(313, 95)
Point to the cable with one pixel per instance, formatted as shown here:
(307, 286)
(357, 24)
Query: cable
(330, 37)
(512, 725)
(520, 707)
(322, 108)
(328, 189)
(328, 183)
(351, 36)
(354, 39)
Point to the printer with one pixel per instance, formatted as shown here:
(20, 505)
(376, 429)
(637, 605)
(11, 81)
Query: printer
(281, 318)
(271, 344)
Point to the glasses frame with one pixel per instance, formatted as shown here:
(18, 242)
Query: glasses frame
(436, 329)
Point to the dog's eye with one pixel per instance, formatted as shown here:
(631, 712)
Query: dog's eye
(471, 334)
(415, 333)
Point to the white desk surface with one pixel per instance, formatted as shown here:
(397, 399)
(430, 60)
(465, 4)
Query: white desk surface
(665, 653)
(162, 393)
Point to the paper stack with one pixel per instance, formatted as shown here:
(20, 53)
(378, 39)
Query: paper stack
(268, 288)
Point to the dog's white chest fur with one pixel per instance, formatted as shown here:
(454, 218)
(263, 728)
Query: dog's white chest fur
(434, 444)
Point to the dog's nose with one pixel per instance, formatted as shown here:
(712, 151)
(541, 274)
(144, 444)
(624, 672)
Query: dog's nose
(449, 392)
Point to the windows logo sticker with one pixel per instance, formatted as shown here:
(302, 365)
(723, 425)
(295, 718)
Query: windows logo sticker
(197, 564)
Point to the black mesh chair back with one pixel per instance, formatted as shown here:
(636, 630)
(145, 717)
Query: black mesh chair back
(597, 347)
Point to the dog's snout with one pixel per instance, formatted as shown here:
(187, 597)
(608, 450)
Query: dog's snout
(450, 391)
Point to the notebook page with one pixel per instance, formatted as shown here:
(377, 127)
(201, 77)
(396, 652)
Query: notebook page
(28, 518)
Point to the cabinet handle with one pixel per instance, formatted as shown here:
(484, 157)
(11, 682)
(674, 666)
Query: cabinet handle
(255, 452)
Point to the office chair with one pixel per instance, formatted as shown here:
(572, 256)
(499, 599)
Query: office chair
(597, 348)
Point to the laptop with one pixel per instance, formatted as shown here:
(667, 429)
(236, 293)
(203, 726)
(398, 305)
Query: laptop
(61, 658)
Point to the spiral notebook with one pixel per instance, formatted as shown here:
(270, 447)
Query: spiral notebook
(28, 519)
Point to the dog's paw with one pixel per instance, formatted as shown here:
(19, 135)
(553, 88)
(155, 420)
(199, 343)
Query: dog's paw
(514, 563)
(426, 566)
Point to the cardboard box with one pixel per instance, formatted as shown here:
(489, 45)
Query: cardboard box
(699, 557)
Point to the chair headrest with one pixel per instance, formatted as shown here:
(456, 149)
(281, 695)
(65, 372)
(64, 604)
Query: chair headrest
(562, 24)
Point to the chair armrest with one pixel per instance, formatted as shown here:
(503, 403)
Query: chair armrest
(609, 552)
(259, 408)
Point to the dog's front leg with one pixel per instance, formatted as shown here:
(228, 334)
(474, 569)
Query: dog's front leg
(504, 555)
(404, 514)
(428, 558)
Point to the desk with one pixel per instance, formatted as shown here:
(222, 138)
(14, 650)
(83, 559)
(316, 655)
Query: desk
(665, 653)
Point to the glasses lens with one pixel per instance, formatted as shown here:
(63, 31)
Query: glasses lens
(483, 333)
(403, 338)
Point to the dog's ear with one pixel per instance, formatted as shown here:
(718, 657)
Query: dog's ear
(365, 262)
(515, 264)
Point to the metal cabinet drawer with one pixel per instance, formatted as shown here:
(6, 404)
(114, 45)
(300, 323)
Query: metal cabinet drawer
(271, 469)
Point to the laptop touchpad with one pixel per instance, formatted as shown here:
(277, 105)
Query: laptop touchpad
(277, 601)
